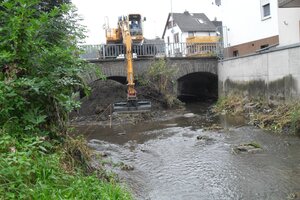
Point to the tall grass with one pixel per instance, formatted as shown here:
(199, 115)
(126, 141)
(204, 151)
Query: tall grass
(280, 118)
(29, 171)
(295, 119)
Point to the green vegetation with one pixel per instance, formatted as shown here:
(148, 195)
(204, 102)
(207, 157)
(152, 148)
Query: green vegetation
(29, 171)
(160, 77)
(39, 74)
(254, 144)
(279, 118)
(231, 104)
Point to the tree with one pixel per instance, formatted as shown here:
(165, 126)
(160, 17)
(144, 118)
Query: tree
(40, 65)
(48, 5)
(160, 76)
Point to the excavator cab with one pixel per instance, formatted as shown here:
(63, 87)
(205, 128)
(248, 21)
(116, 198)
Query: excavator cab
(136, 28)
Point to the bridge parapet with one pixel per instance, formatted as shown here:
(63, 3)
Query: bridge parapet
(146, 50)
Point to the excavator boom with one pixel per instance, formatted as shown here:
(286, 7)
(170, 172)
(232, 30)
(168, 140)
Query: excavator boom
(132, 104)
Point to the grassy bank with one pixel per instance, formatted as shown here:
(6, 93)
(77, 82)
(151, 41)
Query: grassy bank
(273, 116)
(33, 168)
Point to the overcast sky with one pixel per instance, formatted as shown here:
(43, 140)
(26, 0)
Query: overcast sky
(156, 12)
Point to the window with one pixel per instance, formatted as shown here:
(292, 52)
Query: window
(265, 9)
(264, 46)
(176, 38)
(235, 53)
(190, 34)
(170, 24)
(168, 40)
(200, 21)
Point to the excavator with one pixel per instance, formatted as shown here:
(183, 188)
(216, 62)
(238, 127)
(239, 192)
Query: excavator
(129, 31)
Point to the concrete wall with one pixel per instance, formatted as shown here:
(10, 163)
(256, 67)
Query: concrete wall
(273, 75)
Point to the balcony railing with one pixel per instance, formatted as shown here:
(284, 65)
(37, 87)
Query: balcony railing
(117, 51)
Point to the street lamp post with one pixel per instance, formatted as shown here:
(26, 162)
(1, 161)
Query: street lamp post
(223, 32)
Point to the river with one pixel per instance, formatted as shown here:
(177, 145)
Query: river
(171, 163)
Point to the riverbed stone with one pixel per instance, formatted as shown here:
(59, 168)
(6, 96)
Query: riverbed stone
(205, 139)
(188, 115)
(122, 133)
(213, 127)
(247, 148)
(250, 106)
(126, 167)
(294, 196)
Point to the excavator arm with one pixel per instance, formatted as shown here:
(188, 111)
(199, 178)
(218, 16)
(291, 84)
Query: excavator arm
(132, 104)
(127, 40)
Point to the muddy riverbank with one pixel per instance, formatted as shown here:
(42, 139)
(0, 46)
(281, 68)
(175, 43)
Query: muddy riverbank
(106, 92)
(272, 115)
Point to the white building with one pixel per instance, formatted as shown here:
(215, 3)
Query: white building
(251, 25)
(180, 26)
(289, 25)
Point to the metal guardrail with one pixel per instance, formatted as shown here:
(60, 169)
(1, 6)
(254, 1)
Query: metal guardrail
(117, 51)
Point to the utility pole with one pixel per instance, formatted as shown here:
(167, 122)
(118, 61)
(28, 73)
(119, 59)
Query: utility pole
(172, 24)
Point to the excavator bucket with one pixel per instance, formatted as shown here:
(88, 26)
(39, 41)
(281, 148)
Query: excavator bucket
(132, 106)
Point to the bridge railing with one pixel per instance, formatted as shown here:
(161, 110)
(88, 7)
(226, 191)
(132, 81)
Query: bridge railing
(183, 49)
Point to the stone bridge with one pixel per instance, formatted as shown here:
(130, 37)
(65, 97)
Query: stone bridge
(195, 77)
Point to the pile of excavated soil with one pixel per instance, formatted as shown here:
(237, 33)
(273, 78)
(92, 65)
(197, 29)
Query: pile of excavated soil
(106, 92)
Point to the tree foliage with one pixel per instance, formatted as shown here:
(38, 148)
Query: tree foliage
(160, 75)
(161, 78)
(39, 65)
(39, 72)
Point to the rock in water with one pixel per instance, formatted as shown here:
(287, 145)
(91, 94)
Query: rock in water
(247, 148)
(188, 115)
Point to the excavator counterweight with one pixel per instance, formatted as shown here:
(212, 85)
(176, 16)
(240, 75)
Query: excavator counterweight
(129, 31)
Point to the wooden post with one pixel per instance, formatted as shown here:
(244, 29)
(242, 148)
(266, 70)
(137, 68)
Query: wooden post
(110, 117)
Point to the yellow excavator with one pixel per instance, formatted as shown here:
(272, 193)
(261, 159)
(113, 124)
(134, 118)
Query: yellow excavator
(129, 31)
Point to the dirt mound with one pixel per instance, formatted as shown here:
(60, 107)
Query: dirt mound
(106, 92)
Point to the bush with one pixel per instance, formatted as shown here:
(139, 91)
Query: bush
(160, 78)
(39, 65)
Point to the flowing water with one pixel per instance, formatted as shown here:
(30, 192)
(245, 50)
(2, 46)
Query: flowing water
(171, 163)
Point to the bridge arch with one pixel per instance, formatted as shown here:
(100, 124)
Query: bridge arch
(198, 86)
(119, 79)
(187, 66)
